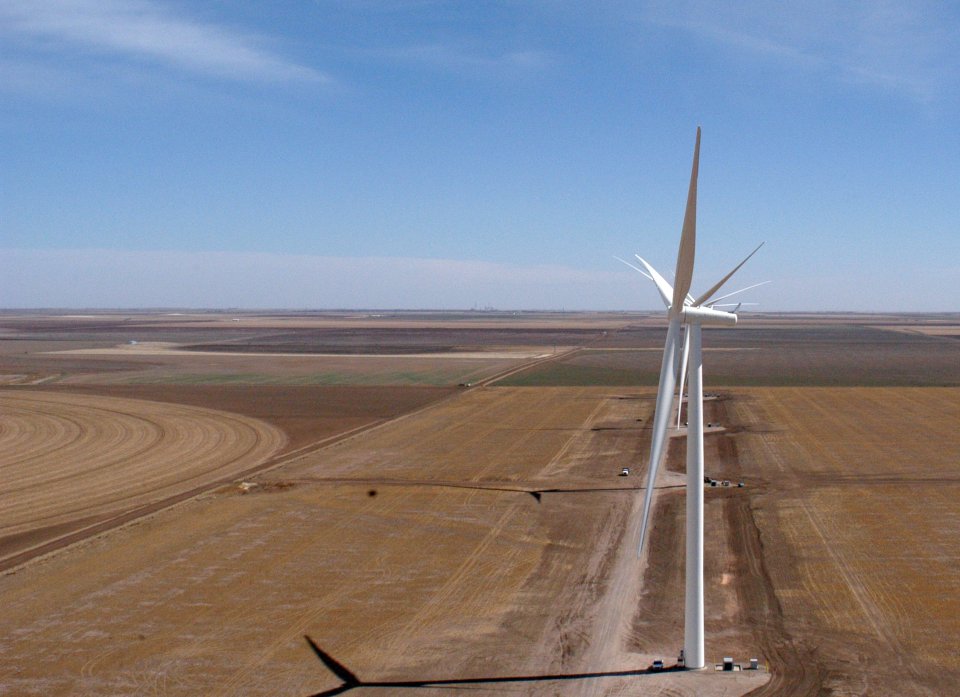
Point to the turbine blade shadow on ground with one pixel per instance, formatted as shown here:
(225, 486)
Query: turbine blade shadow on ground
(335, 667)
(536, 493)
(351, 681)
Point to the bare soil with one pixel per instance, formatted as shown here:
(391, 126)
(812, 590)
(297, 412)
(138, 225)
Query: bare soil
(412, 552)
(841, 354)
(855, 512)
(305, 413)
(480, 537)
(71, 461)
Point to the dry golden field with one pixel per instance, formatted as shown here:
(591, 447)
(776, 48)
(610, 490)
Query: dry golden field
(859, 518)
(71, 462)
(412, 552)
(428, 536)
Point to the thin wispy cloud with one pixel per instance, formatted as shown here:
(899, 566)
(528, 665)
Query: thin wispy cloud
(898, 46)
(144, 31)
(454, 58)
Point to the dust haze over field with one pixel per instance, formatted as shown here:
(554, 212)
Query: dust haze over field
(433, 497)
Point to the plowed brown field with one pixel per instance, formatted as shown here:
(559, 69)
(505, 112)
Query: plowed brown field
(410, 553)
(476, 537)
(858, 517)
(70, 461)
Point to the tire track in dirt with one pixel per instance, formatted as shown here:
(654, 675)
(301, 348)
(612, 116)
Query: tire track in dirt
(853, 602)
(794, 667)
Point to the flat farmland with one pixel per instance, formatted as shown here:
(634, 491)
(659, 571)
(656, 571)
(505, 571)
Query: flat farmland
(859, 521)
(418, 531)
(70, 462)
(307, 414)
(145, 364)
(839, 353)
(412, 552)
(339, 349)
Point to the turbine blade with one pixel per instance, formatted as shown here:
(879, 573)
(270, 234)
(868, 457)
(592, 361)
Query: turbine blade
(683, 371)
(724, 297)
(661, 416)
(688, 237)
(666, 291)
(635, 268)
(706, 296)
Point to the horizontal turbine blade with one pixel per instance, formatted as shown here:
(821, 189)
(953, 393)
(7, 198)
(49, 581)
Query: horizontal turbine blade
(688, 237)
(706, 296)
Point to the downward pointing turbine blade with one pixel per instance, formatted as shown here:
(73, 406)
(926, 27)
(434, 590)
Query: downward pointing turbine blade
(706, 296)
(683, 371)
(661, 415)
(688, 238)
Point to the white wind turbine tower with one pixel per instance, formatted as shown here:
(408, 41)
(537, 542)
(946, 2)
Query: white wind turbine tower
(684, 309)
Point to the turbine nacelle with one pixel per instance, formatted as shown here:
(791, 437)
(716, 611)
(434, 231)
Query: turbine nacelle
(707, 315)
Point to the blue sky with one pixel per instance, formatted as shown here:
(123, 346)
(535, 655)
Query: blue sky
(430, 154)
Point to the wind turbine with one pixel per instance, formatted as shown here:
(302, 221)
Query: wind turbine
(685, 310)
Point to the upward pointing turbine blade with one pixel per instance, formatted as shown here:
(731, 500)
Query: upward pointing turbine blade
(635, 268)
(737, 292)
(706, 296)
(663, 287)
(668, 366)
(688, 238)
